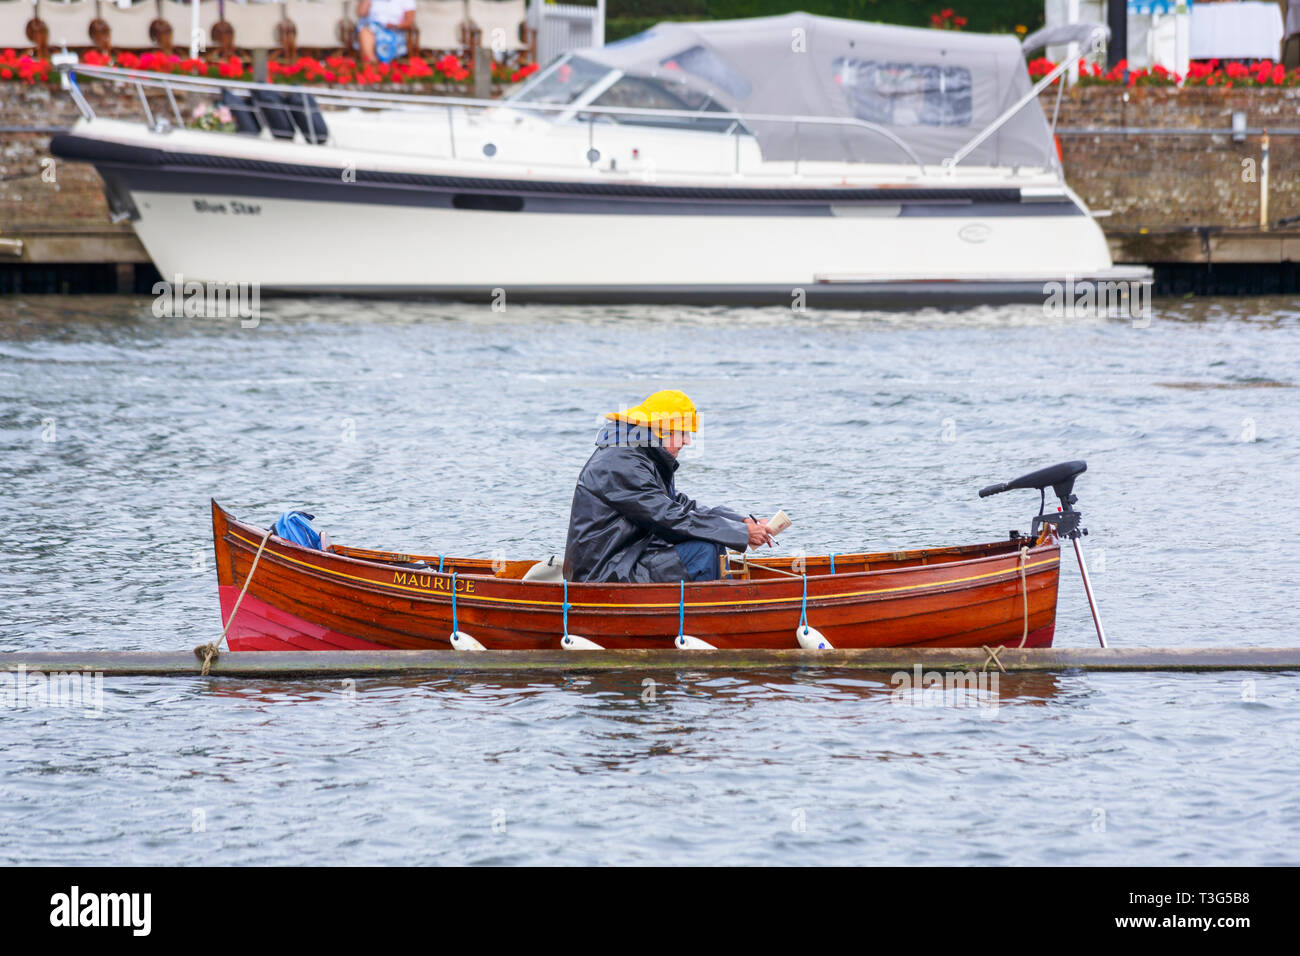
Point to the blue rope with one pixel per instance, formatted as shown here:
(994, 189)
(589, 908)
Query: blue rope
(832, 562)
(681, 609)
(565, 606)
(440, 560)
(803, 607)
(454, 625)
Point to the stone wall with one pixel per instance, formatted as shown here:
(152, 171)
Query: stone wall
(27, 200)
(1176, 182)
(1156, 183)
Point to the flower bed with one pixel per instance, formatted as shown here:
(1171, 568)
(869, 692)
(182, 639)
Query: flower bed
(1210, 73)
(332, 70)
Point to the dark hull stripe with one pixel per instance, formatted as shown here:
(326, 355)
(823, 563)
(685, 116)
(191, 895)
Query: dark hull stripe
(878, 295)
(157, 170)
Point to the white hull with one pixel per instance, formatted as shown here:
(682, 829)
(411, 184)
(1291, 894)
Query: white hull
(306, 244)
(664, 215)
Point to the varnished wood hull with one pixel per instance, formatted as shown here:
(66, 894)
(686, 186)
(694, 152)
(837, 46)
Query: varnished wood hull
(302, 599)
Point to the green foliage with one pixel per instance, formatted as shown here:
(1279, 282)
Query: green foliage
(626, 17)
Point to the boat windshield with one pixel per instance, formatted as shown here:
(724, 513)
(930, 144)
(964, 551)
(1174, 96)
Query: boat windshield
(562, 83)
(640, 92)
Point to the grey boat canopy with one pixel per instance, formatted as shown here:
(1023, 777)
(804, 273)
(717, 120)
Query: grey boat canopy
(934, 89)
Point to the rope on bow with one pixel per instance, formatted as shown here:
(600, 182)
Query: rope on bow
(441, 558)
(681, 608)
(832, 562)
(455, 626)
(1024, 590)
(210, 652)
(565, 606)
(803, 606)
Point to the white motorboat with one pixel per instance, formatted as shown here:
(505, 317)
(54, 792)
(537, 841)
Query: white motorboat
(784, 160)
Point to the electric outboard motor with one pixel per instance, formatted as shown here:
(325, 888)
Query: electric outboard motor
(1060, 478)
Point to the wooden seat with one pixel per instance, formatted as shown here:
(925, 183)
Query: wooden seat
(257, 25)
(68, 24)
(501, 24)
(501, 27)
(440, 25)
(247, 26)
(174, 28)
(14, 17)
(315, 26)
(128, 26)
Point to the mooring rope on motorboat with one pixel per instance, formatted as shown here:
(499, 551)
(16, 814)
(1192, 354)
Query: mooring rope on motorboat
(564, 606)
(455, 624)
(803, 606)
(681, 608)
(992, 657)
(1024, 591)
(210, 652)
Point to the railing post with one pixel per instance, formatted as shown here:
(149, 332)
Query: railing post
(144, 101)
(451, 131)
(176, 110)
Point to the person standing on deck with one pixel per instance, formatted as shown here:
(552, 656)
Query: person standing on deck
(629, 524)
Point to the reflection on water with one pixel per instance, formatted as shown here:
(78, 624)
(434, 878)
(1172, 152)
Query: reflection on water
(616, 687)
(439, 429)
(760, 767)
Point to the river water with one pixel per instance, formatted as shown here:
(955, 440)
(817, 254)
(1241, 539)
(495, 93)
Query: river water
(454, 428)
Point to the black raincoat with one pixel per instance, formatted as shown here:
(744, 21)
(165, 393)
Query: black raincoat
(627, 514)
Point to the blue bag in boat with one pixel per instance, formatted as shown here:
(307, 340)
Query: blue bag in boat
(296, 526)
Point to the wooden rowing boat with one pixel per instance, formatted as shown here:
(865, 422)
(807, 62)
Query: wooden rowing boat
(999, 593)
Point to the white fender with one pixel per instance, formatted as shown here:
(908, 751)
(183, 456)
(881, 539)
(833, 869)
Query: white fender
(552, 569)
(461, 641)
(811, 639)
(685, 642)
(572, 642)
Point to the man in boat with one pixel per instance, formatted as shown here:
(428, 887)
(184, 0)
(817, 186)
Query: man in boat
(628, 522)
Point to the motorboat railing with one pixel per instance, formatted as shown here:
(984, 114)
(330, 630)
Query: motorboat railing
(1094, 38)
(173, 83)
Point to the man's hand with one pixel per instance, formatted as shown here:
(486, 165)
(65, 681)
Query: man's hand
(759, 533)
